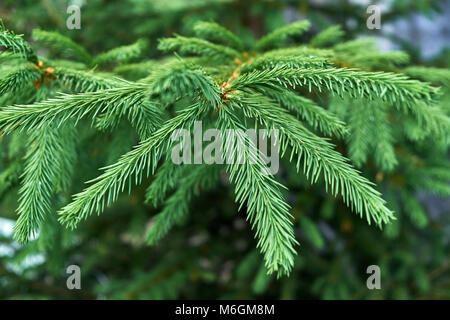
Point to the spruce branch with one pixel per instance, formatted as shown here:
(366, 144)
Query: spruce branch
(9, 177)
(48, 164)
(328, 36)
(433, 75)
(63, 45)
(370, 132)
(231, 89)
(280, 35)
(85, 81)
(440, 188)
(267, 211)
(392, 88)
(165, 179)
(316, 116)
(136, 71)
(198, 178)
(432, 120)
(198, 47)
(355, 46)
(18, 79)
(16, 44)
(142, 159)
(180, 79)
(271, 60)
(302, 52)
(385, 156)
(373, 60)
(317, 158)
(359, 141)
(414, 209)
(122, 54)
(143, 114)
(216, 33)
(60, 109)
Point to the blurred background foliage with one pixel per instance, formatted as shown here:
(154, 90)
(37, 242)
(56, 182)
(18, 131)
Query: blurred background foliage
(213, 255)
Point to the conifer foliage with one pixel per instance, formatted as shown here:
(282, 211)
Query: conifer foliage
(316, 95)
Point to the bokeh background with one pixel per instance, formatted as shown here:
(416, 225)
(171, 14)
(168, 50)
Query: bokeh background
(212, 254)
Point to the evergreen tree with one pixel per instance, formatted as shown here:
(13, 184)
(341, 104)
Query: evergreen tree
(347, 115)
